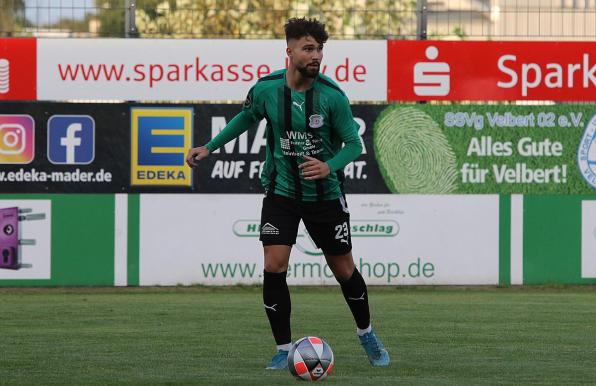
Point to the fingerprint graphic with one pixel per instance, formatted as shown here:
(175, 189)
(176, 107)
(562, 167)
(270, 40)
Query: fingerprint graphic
(4, 76)
(413, 153)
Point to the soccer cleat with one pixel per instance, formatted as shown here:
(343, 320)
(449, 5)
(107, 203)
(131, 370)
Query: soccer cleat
(377, 354)
(279, 361)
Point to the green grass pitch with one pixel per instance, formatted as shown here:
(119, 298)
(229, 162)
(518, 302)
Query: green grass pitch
(436, 336)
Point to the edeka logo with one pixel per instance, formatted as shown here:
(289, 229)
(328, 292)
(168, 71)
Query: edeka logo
(305, 244)
(586, 154)
(71, 139)
(17, 139)
(160, 137)
(431, 78)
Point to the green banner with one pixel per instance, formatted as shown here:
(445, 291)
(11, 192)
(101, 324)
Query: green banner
(438, 149)
(559, 240)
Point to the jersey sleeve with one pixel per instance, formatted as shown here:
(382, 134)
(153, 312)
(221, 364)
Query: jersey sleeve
(252, 105)
(345, 128)
(249, 115)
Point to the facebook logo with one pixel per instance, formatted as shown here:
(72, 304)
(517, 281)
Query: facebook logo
(71, 139)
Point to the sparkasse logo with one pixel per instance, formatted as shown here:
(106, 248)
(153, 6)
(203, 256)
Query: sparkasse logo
(432, 78)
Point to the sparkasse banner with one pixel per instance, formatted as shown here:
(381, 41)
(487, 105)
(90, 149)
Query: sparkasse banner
(436, 70)
(208, 70)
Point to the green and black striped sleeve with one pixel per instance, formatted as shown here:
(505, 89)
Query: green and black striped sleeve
(251, 113)
(345, 128)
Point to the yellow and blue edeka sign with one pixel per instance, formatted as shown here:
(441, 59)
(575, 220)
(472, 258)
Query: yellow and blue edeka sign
(160, 138)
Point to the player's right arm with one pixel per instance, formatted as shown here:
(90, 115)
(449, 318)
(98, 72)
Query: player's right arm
(251, 113)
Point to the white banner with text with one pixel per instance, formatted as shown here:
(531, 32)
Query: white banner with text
(205, 70)
(397, 240)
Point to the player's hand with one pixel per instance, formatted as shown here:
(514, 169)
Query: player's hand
(196, 154)
(314, 169)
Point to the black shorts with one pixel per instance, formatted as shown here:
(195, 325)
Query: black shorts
(327, 222)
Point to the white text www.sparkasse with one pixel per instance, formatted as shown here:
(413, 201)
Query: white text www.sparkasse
(42, 176)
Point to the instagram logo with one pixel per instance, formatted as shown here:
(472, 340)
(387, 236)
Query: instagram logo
(17, 133)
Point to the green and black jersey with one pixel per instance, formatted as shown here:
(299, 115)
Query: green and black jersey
(315, 122)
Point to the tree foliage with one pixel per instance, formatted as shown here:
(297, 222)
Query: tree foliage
(257, 18)
(12, 17)
(110, 14)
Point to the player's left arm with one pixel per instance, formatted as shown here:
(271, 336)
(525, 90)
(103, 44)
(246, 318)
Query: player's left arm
(344, 126)
(252, 112)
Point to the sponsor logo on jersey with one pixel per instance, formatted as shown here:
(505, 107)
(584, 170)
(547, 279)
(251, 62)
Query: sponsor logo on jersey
(285, 143)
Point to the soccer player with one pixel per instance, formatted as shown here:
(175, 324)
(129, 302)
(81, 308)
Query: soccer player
(308, 120)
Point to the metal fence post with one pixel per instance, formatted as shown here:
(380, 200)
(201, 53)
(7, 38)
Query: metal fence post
(130, 25)
(421, 22)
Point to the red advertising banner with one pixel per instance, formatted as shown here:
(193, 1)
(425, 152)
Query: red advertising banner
(18, 69)
(437, 70)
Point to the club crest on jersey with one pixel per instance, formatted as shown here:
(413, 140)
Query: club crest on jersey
(315, 121)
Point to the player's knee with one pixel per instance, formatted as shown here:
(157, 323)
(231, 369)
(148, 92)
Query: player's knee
(343, 275)
(275, 267)
(276, 258)
(342, 268)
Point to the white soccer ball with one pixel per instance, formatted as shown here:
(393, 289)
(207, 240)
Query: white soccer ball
(311, 359)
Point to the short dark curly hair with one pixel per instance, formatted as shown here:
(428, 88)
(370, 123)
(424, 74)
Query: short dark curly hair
(297, 28)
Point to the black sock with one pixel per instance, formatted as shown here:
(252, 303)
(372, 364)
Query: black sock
(356, 295)
(276, 299)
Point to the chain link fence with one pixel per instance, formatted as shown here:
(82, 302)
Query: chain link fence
(345, 19)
